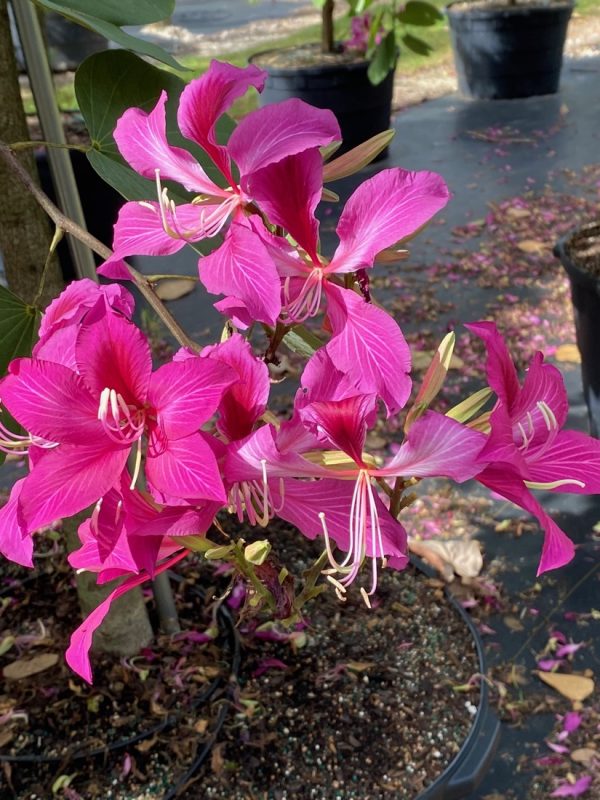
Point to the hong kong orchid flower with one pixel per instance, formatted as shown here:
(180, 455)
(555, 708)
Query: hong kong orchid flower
(267, 136)
(527, 448)
(85, 424)
(435, 446)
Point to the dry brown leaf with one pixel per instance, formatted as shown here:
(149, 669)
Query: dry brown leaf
(574, 687)
(584, 755)
(359, 666)
(463, 555)
(568, 352)
(146, 744)
(173, 289)
(513, 624)
(518, 213)
(25, 667)
(533, 246)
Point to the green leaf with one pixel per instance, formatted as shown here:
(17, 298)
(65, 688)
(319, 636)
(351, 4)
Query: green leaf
(300, 340)
(384, 59)
(100, 16)
(416, 45)
(18, 328)
(418, 13)
(18, 333)
(108, 83)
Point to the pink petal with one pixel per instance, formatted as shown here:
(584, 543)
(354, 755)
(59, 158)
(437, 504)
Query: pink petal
(288, 193)
(549, 664)
(139, 231)
(77, 654)
(68, 479)
(571, 721)
(558, 748)
(573, 789)
(236, 311)
(321, 380)
(342, 423)
(186, 394)
(113, 353)
(15, 544)
(244, 401)
(383, 210)
(205, 99)
(242, 268)
(501, 372)
(51, 401)
(569, 649)
(185, 468)
(543, 383)
(142, 141)
(273, 132)
(302, 502)
(369, 347)
(571, 455)
(437, 445)
(117, 563)
(558, 549)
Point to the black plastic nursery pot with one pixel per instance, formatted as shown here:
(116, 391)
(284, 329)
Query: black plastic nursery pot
(585, 295)
(507, 51)
(361, 108)
(468, 768)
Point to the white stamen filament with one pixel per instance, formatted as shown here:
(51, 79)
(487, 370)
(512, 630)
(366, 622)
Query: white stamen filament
(255, 499)
(122, 423)
(363, 516)
(308, 301)
(137, 466)
(18, 445)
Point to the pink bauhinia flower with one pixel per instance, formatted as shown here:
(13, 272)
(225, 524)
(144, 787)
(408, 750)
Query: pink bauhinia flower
(86, 423)
(267, 136)
(527, 448)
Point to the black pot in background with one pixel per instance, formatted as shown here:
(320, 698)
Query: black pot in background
(362, 109)
(585, 294)
(468, 768)
(508, 52)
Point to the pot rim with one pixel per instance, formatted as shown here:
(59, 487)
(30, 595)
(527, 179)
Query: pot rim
(353, 66)
(576, 274)
(535, 7)
(482, 717)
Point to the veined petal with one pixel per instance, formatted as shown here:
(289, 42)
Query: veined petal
(571, 456)
(246, 399)
(186, 394)
(283, 129)
(322, 380)
(341, 423)
(142, 141)
(113, 353)
(383, 210)
(79, 296)
(543, 387)
(288, 192)
(77, 654)
(140, 231)
(558, 549)
(369, 347)
(437, 446)
(301, 503)
(115, 564)
(501, 372)
(185, 468)
(68, 479)
(15, 543)
(242, 268)
(51, 401)
(205, 99)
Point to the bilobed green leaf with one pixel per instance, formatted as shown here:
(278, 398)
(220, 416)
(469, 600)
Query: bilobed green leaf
(18, 332)
(384, 59)
(100, 16)
(416, 45)
(416, 12)
(106, 85)
(18, 328)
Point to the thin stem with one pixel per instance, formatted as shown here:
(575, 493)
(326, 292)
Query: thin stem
(75, 230)
(167, 277)
(327, 27)
(16, 146)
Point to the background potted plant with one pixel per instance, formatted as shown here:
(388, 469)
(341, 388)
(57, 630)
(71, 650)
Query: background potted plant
(579, 253)
(508, 48)
(355, 78)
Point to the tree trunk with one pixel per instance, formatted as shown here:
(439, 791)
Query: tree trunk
(25, 232)
(327, 27)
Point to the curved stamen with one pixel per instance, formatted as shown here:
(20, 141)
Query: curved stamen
(308, 301)
(123, 424)
(18, 444)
